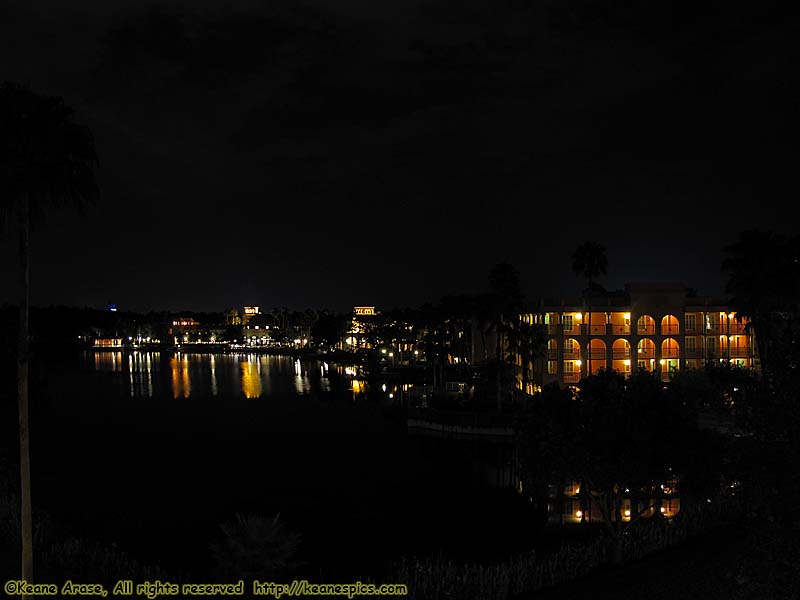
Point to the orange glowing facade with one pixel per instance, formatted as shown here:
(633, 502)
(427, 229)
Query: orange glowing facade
(657, 327)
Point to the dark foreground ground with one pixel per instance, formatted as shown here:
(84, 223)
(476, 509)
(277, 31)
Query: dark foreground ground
(753, 561)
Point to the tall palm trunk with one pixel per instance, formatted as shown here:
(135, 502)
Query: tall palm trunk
(589, 331)
(22, 389)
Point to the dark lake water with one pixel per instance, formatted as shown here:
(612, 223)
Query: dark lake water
(153, 451)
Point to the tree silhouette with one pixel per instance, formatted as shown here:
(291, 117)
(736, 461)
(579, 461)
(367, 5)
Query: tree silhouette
(46, 159)
(506, 290)
(590, 261)
(255, 547)
(762, 270)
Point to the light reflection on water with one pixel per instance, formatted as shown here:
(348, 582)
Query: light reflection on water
(182, 375)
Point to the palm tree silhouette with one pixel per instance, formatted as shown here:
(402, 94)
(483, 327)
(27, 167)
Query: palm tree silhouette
(762, 280)
(46, 159)
(590, 261)
(506, 296)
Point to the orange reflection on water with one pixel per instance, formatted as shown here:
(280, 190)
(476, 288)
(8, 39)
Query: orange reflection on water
(108, 361)
(251, 379)
(181, 385)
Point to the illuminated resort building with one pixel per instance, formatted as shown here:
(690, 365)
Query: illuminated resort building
(249, 312)
(658, 327)
(261, 330)
(359, 334)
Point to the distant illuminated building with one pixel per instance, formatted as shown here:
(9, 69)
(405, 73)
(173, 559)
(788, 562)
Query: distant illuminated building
(261, 330)
(248, 312)
(184, 329)
(358, 335)
(108, 343)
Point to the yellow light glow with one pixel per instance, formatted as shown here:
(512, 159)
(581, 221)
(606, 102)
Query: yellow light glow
(579, 514)
(578, 363)
(627, 362)
(663, 510)
(628, 316)
(578, 316)
(627, 513)
(730, 315)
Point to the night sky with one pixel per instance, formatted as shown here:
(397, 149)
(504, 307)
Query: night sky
(337, 153)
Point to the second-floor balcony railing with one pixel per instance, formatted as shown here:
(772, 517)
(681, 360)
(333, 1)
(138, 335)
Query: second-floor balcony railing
(597, 329)
(572, 377)
(598, 354)
(669, 330)
(645, 353)
(694, 353)
(571, 354)
(621, 354)
(620, 329)
(572, 329)
(740, 352)
(645, 329)
(552, 329)
(552, 354)
(669, 353)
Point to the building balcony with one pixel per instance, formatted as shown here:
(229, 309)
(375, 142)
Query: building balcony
(597, 329)
(621, 354)
(598, 354)
(621, 329)
(572, 329)
(670, 353)
(670, 330)
(645, 353)
(740, 352)
(572, 377)
(552, 354)
(572, 355)
(694, 353)
(645, 329)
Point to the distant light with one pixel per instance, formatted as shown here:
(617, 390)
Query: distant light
(662, 361)
(391, 354)
(578, 316)
(579, 514)
(384, 351)
(627, 513)
(627, 362)
(391, 395)
(383, 387)
(627, 316)
(730, 315)
(416, 352)
(578, 362)
(663, 510)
